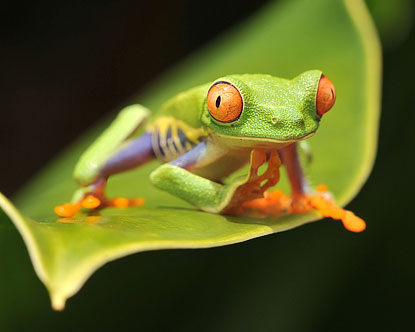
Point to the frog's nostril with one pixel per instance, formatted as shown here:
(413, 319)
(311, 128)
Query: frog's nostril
(274, 120)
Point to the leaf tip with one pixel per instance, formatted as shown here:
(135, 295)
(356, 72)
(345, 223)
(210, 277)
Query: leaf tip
(58, 302)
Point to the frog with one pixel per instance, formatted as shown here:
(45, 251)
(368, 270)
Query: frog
(205, 134)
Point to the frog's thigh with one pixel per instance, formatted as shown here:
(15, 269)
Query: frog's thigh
(94, 159)
(176, 178)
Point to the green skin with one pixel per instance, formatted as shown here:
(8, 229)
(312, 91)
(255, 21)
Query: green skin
(277, 113)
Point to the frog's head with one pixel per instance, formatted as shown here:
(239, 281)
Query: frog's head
(268, 109)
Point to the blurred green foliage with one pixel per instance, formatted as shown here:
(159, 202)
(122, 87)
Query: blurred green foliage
(394, 20)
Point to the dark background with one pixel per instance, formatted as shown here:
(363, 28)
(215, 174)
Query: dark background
(67, 64)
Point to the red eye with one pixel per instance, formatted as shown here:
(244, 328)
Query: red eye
(326, 96)
(224, 102)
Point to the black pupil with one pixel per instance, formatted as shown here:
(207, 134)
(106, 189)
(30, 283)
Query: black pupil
(217, 102)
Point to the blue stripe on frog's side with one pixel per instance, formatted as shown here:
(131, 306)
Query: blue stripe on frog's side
(172, 138)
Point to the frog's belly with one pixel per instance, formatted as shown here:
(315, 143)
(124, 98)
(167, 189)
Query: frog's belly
(223, 166)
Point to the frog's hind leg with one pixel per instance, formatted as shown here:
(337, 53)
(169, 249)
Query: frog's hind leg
(302, 200)
(117, 149)
(134, 153)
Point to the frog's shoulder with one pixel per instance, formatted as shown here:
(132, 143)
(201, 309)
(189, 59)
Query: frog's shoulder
(177, 128)
(186, 106)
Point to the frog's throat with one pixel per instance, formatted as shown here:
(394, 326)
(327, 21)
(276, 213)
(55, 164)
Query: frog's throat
(244, 141)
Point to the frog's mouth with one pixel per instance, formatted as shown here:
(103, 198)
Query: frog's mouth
(250, 142)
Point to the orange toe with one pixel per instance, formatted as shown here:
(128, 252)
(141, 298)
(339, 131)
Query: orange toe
(67, 210)
(322, 188)
(120, 202)
(329, 209)
(353, 223)
(139, 201)
(91, 202)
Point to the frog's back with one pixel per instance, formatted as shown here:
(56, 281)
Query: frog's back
(177, 127)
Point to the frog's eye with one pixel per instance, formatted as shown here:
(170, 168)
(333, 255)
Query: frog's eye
(224, 102)
(326, 96)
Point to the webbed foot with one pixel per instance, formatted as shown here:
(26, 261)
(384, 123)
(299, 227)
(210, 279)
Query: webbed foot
(93, 198)
(276, 203)
(91, 202)
(254, 186)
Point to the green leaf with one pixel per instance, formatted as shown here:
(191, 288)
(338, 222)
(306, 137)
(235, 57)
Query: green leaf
(283, 39)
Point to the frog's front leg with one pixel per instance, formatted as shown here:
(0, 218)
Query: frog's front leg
(116, 150)
(210, 196)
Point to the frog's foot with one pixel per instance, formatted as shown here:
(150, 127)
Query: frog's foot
(328, 208)
(255, 185)
(276, 204)
(92, 202)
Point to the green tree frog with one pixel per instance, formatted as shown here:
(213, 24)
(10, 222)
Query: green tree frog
(208, 132)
